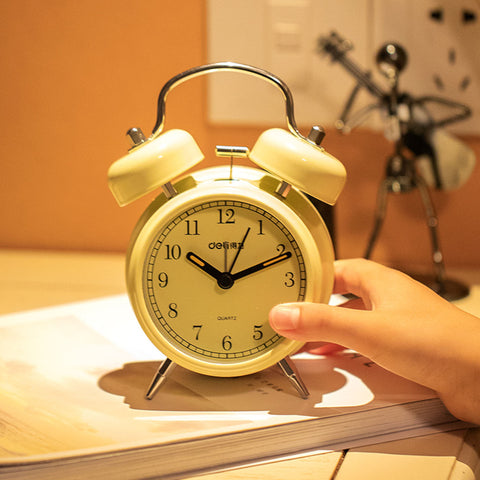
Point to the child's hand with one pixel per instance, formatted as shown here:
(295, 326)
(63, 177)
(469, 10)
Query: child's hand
(400, 324)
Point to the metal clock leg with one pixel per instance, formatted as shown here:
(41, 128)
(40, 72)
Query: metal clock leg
(163, 371)
(290, 370)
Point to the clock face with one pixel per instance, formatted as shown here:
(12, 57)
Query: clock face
(211, 275)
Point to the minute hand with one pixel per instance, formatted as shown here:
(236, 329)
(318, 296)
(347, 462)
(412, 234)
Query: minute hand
(262, 265)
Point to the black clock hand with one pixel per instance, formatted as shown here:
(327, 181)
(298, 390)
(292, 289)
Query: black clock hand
(242, 244)
(262, 265)
(224, 279)
(203, 265)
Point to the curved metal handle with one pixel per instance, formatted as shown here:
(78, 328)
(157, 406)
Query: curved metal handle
(225, 66)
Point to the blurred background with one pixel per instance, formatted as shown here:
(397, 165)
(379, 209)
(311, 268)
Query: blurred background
(77, 75)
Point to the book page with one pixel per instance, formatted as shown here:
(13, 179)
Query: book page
(74, 377)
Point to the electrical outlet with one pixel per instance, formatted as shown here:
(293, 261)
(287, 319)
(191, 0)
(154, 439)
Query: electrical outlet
(442, 38)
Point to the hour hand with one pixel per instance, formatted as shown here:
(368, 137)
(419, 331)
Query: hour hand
(203, 265)
(262, 265)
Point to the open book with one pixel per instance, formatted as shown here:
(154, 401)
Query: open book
(73, 380)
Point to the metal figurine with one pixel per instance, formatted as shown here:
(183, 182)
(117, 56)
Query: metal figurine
(409, 125)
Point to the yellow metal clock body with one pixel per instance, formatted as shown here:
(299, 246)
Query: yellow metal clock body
(205, 267)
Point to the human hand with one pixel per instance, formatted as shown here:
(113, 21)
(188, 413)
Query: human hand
(401, 325)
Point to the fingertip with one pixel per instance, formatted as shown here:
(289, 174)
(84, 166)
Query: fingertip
(316, 322)
(284, 317)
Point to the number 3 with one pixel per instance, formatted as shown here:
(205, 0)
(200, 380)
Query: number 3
(289, 282)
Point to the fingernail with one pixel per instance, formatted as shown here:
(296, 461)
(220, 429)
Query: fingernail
(284, 318)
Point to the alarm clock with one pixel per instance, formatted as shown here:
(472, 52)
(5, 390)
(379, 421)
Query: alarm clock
(220, 246)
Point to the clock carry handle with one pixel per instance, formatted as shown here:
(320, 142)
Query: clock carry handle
(225, 66)
(155, 161)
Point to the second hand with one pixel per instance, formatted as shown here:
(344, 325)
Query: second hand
(225, 258)
(238, 251)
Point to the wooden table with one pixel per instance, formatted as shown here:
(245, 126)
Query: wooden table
(30, 279)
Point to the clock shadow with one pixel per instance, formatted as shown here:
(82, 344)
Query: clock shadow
(266, 391)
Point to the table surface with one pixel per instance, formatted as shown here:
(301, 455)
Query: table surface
(34, 279)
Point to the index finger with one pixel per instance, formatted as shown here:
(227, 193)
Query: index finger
(368, 280)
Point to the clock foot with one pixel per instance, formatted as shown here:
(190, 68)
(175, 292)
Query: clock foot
(162, 373)
(290, 370)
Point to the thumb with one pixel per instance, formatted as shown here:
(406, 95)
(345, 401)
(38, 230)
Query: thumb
(313, 322)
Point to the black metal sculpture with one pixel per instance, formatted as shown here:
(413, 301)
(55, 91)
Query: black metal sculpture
(411, 126)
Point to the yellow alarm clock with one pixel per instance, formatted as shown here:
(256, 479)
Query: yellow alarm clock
(219, 247)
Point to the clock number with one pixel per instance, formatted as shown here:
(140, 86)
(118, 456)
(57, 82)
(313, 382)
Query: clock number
(226, 342)
(172, 310)
(260, 228)
(289, 282)
(226, 216)
(197, 328)
(280, 248)
(173, 252)
(257, 333)
(162, 279)
(192, 227)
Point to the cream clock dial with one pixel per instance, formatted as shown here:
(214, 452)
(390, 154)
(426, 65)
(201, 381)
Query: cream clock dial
(239, 261)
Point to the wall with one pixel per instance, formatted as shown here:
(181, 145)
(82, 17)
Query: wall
(77, 75)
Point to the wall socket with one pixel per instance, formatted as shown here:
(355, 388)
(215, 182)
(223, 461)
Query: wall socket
(441, 38)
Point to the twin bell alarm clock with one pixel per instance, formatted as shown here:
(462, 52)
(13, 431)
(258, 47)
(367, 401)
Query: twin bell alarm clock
(219, 247)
